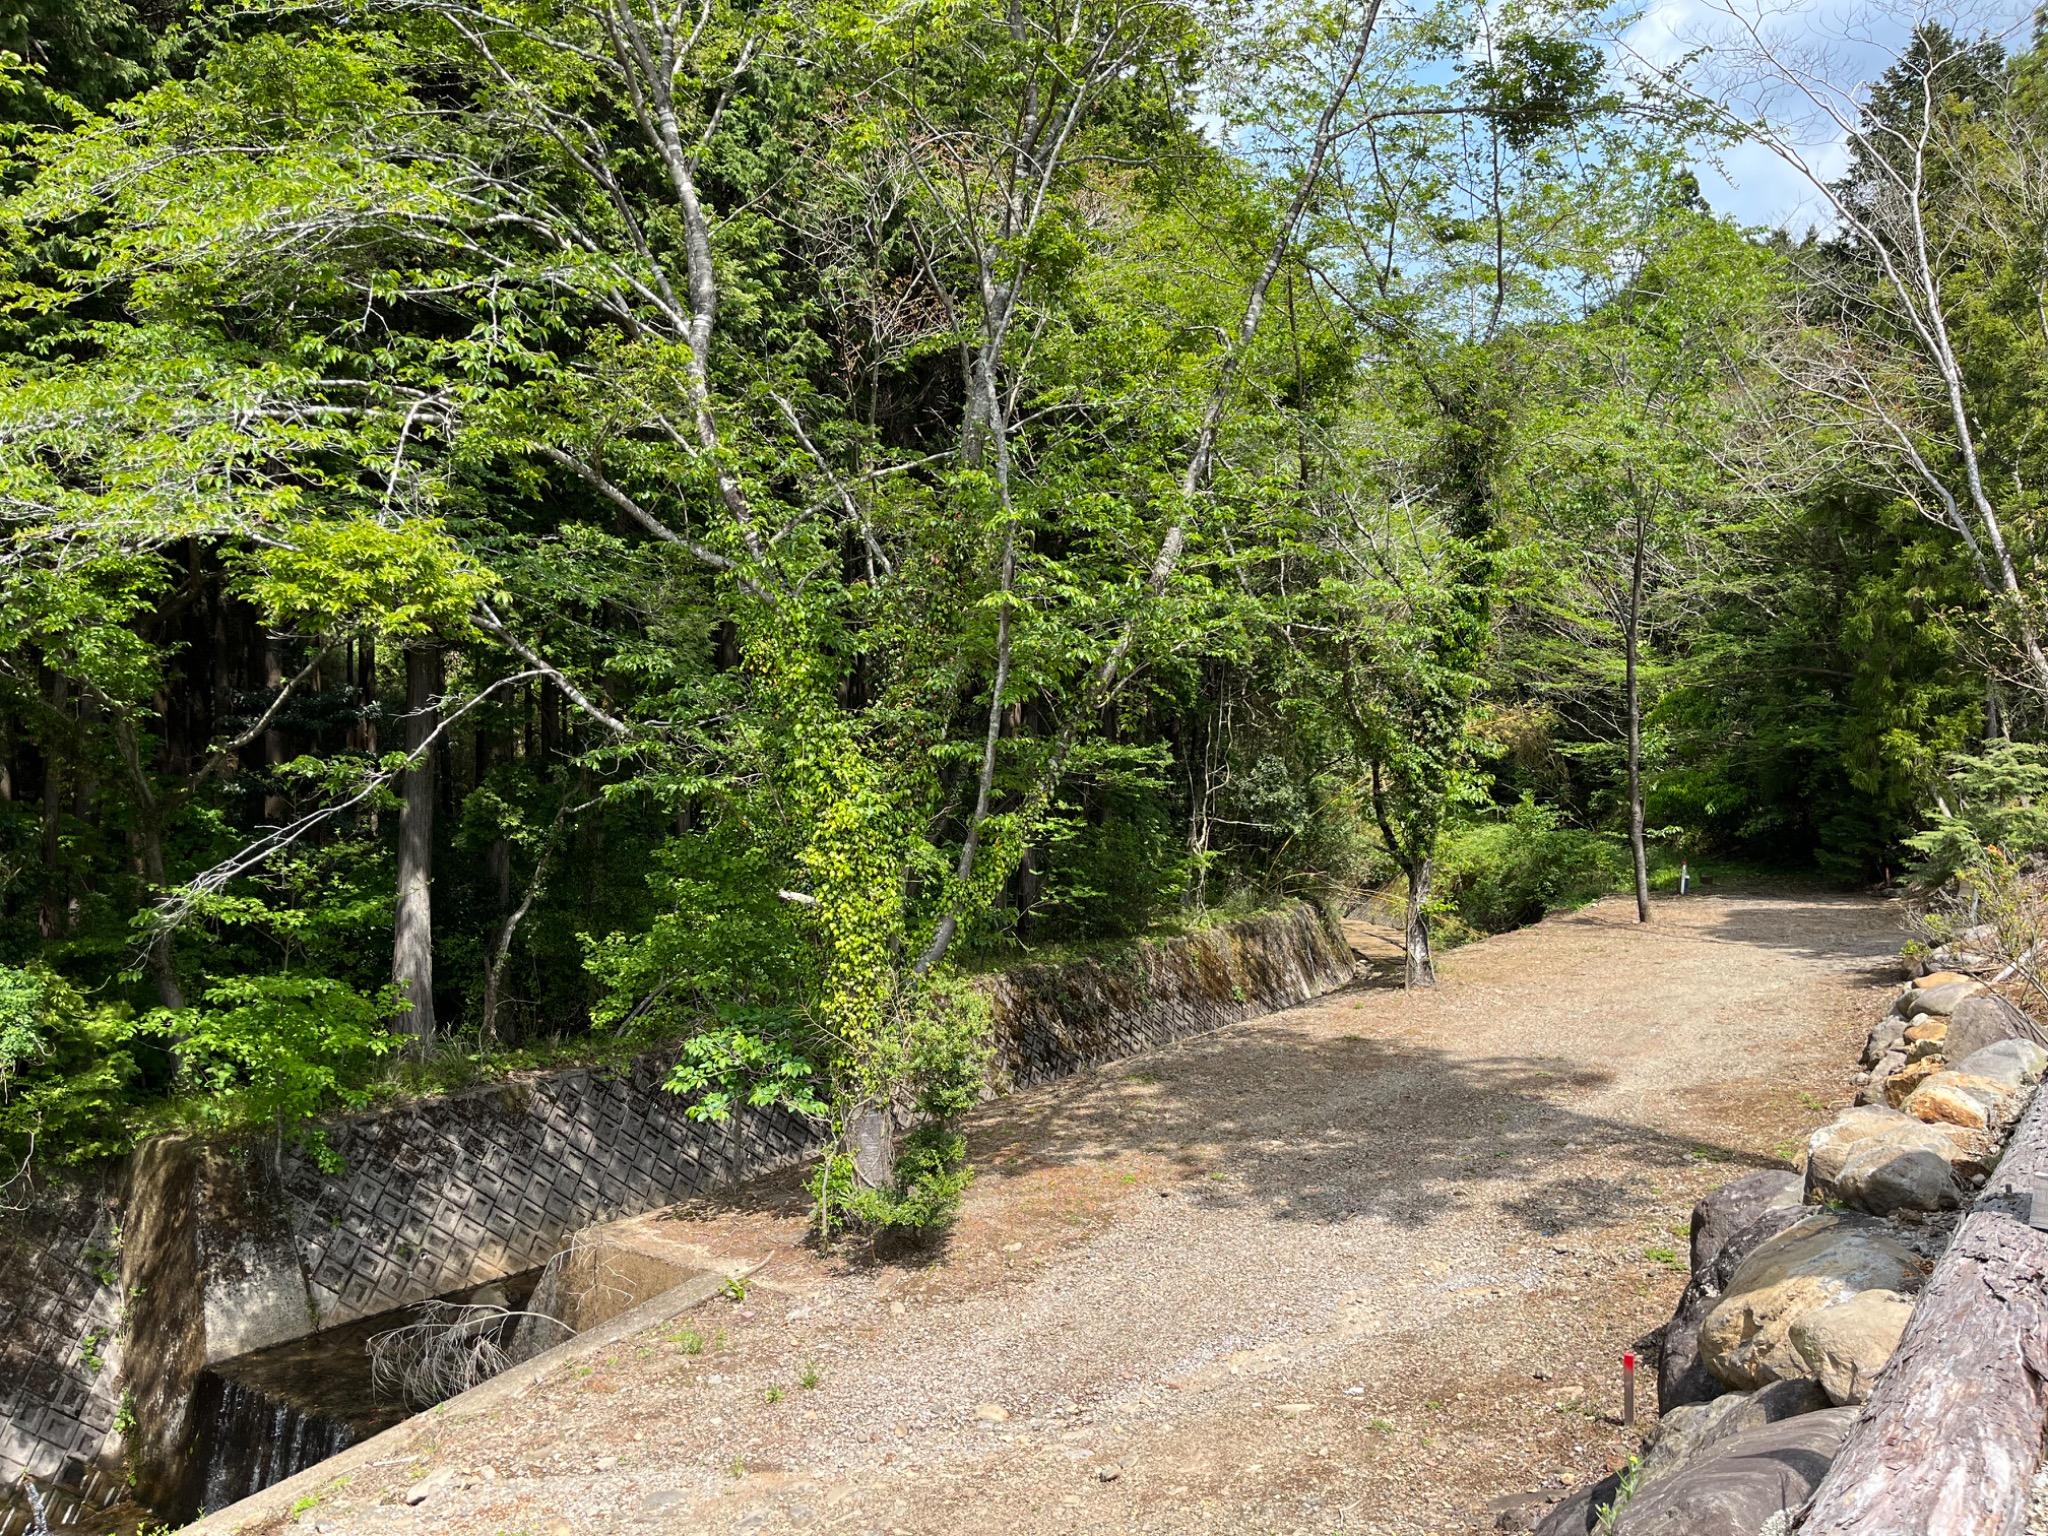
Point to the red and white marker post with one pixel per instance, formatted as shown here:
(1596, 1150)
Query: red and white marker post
(1628, 1387)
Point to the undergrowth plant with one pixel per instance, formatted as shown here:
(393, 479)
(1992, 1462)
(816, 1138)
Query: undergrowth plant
(947, 1048)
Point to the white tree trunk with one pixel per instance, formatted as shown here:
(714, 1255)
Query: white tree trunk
(1633, 687)
(412, 929)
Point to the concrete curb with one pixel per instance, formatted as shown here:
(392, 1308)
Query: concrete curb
(276, 1502)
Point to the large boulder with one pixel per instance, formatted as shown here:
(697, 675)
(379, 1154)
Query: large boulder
(1960, 1098)
(1681, 1376)
(1688, 1432)
(1736, 1205)
(2015, 1063)
(1878, 1160)
(1845, 1345)
(1939, 977)
(1872, 1090)
(1939, 995)
(1828, 1148)
(1884, 1180)
(1745, 1340)
(1924, 1038)
(1761, 1473)
(1985, 1019)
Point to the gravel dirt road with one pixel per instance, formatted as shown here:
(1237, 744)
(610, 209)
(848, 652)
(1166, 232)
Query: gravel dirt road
(1366, 1266)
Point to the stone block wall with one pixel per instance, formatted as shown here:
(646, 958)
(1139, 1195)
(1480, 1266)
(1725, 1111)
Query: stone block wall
(431, 1197)
(60, 1317)
(234, 1246)
(1051, 1020)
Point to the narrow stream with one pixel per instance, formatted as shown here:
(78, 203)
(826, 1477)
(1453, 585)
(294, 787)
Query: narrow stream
(261, 1417)
(265, 1415)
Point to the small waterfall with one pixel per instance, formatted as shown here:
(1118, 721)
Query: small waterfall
(252, 1440)
(263, 1416)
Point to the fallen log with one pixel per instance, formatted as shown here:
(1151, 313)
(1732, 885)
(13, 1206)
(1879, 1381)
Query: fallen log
(1951, 1437)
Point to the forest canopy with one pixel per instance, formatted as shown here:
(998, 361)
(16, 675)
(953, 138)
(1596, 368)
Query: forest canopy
(542, 527)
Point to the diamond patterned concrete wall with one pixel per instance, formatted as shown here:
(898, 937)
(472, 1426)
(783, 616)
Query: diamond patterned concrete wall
(56, 1409)
(1054, 1020)
(472, 1187)
(455, 1191)
(480, 1185)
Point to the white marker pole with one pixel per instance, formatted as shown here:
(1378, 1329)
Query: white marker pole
(1684, 876)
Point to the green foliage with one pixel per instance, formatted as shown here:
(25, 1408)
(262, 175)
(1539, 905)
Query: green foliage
(360, 575)
(1624, 1490)
(946, 1063)
(728, 1065)
(931, 1177)
(67, 1069)
(1996, 807)
(275, 1050)
(1119, 871)
(1499, 874)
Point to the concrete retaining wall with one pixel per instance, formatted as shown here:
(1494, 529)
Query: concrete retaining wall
(60, 1321)
(1051, 1020)
(231, 1247)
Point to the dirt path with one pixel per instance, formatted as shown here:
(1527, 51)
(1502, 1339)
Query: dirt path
(1364, 1267)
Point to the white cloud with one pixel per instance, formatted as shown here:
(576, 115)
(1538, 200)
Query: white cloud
(1842, 45)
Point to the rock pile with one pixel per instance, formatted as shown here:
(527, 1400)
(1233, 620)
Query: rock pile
(1803, 1280)
(1951, 1050)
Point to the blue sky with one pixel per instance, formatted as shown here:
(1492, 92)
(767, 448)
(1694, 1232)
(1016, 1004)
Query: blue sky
(1847, 43)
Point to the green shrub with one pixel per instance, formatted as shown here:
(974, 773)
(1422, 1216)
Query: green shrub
(931, 1176)
(1495, 875)
(1115, 873)
(1996, 800)
(66, 1071)
(275, 1050)
(946, 1057)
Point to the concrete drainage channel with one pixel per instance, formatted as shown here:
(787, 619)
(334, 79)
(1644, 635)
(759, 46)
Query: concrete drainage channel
(266, 1416)
(198, 1323)
(303, 1488)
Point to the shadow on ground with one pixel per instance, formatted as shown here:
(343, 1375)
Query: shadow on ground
(1314, 1127)
(1298, 1116)
(1817, 926)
